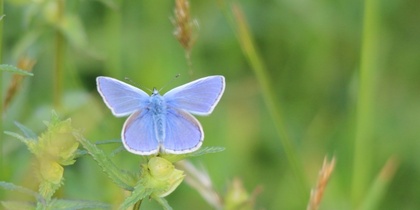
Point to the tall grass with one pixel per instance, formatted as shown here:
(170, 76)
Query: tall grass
(1, 87)
(272, 102)
(362, 169)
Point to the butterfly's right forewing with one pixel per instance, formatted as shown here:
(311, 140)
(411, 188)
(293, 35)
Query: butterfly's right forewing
(122, 98)
(197, 97)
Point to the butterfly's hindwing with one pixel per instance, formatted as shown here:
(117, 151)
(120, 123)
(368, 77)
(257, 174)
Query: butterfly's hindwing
(183, 132)
(138, 134)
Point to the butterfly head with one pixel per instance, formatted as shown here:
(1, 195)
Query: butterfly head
(155, 92)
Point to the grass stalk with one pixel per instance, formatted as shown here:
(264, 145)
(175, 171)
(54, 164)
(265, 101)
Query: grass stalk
(364, 118)
(58, 59)
(1, 87)
(113, 63)
(379, 186)
(269, 95)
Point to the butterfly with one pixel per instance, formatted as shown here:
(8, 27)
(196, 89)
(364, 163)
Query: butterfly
(162, 123)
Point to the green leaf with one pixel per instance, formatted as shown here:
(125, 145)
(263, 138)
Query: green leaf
(124, 179)
(13, 187)
(18, 136)
(18, 205)
(138, 194)
(111, 141)
(28, 132)
(61, 204)
(80, 153)
(206, 150)
(116, 151)
(163, 203)
(10, 68)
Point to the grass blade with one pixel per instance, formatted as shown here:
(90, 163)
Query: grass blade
(364, 119)
(14, 69)
(377, 191)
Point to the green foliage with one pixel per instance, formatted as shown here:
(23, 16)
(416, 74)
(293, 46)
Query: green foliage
(124, 179)
(57, 147)
(53, 204)
(12, 187)
(77, 204)
(53, 149)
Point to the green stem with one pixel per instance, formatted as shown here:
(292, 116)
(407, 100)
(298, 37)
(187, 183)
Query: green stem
(368, 66)
(58, 59)
(375, 194)
(1, 87)
(269, 95)
(113, 31)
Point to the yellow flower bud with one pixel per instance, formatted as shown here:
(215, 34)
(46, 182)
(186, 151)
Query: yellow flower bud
(160, 168)
(163, 177)
(58, 143)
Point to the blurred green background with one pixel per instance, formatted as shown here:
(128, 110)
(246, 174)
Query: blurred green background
(312, 54)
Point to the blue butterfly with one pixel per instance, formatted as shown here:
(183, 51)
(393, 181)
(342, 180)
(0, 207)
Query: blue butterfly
(162, 123)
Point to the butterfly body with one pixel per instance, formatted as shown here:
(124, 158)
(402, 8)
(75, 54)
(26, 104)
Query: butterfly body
(162, 123)
(157, 107)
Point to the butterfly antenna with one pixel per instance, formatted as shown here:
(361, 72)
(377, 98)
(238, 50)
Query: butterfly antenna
(138, 85)
(176, 76)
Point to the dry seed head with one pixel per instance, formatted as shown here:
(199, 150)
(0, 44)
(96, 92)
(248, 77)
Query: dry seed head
(26, 64)
(183, 24)
(323, 178)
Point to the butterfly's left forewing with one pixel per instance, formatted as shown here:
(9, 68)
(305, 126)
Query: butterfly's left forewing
(197, 97)
(183, 133)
